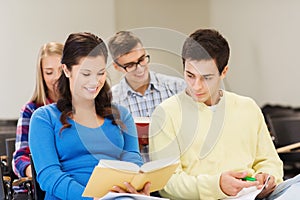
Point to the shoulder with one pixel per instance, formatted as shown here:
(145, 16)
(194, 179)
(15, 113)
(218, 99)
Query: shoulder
(115, 88)
(239, 99)
(120, 86)
(28, 109)
(47, 111)
(242, 103)
(119, 90)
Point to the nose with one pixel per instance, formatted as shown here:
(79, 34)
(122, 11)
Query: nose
(198, 84)
(139, 67)
(95, 80)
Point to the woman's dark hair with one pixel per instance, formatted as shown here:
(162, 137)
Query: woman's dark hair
(77, 46)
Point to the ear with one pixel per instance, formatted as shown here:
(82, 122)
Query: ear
(224, 72)
(66, 71)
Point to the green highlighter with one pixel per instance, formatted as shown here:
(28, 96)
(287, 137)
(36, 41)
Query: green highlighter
(249, 178)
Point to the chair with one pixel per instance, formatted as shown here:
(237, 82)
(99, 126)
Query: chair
(5, 183)
(286, 129)
(274, 111)
(7, 130)
(39, 194)
(286, 132)
(10, 149)
(16, 182)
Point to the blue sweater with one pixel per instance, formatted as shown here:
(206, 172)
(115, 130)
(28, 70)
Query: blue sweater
(64, 161)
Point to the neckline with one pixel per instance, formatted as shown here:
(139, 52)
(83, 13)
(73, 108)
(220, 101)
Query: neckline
(76, 123)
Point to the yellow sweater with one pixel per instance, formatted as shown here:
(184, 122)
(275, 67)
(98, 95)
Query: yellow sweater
(238, 140)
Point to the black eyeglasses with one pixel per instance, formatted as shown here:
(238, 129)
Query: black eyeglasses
(129, 67)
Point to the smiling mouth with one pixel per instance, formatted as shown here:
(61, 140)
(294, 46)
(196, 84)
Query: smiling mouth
(92, 89)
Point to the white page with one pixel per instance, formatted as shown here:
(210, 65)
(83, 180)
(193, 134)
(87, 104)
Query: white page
(113, 195)
(291, 193)
(157, 164)
(117, 164)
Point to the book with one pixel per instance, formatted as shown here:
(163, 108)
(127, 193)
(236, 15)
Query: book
(109, 173)
(113, 195)
(142, 126)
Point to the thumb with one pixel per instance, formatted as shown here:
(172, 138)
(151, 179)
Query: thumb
(240, 174)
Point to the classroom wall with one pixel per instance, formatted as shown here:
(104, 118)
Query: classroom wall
(264, 40)
(27, 25)
(162, 26)
(263, 36)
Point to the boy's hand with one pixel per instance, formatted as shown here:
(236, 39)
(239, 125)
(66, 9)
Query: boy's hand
(231, 183)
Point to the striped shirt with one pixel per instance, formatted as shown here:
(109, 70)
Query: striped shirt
(160, 88)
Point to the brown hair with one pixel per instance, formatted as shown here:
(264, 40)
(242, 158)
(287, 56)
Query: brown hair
(206, 44)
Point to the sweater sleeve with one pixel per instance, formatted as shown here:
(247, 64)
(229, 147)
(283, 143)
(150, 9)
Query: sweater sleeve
(48, 168)
(267, 159)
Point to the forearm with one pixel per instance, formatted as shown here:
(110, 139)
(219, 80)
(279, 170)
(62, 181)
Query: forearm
(184, 186)
(21, 161)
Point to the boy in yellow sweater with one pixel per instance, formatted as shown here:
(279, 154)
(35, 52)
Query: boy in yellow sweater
(219, 137)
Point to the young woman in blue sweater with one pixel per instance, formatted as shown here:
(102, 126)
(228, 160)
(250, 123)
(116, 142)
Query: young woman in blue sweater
(68, 138)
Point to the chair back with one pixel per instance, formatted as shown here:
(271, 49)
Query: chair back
(39, 194)
(10, 149)
(286, 130)
(2, 190)
(7, 130)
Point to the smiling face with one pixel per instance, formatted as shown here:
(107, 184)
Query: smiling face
(87, 78)
(141, 74)
(203, 80)
(51, 68)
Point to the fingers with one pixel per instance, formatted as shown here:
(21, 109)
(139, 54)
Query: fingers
(237, 175)
(117, 189)
(146, 189)
(261, 179)
(130, 189)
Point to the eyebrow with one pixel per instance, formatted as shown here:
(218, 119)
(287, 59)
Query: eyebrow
(205, 75)
(48, 67)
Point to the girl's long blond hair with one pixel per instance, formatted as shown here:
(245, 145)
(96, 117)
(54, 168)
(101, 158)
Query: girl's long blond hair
(41, 91)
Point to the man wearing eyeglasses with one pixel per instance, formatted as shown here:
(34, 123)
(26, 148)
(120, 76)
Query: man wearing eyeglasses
(141, 90)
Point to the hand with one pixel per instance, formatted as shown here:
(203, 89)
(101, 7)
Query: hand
(231, 183)
(269, 188)
(131, 189)
(28, 171)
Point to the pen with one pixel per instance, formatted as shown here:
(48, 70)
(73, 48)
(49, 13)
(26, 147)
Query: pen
(248, 178)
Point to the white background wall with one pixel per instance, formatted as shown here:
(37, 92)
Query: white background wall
(263, 35)
(27, 25)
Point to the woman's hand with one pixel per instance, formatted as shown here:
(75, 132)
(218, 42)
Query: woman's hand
(131, 189)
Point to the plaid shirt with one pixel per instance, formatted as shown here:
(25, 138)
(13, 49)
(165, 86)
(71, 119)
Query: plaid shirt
(160, 88)
(21, 155)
